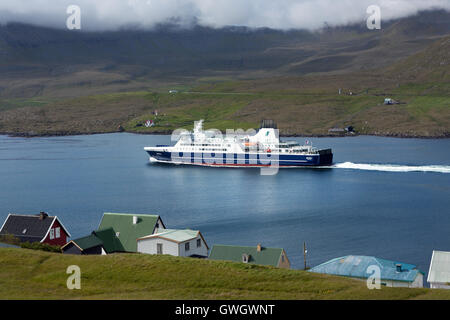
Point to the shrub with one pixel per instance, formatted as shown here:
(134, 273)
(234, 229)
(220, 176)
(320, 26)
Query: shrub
(40, 246)
(10, 239)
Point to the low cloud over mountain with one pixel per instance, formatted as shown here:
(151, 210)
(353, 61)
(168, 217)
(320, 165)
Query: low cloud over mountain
(280, 14)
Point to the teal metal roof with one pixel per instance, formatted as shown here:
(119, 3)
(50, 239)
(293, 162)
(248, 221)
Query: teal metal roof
(356, 266)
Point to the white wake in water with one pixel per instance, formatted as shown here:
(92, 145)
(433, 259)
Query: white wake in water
(391, 167)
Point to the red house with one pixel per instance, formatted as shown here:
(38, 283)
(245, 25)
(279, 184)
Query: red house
(36, 228)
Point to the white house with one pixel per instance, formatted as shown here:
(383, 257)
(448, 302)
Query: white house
(439, 273)
(180, 243)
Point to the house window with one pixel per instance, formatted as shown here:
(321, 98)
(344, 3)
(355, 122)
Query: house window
(186, 246)
(199, 243)
(52, 234)
(57, 232)
(282, 258)
(159, 248)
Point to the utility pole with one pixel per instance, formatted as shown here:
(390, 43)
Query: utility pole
(304, 252)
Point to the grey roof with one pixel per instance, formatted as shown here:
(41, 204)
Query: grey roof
(27, 227)
(439, 267)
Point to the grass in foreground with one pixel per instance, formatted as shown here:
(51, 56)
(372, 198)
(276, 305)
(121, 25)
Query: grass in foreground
(29, 274)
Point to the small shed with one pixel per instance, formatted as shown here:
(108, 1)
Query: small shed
(85, 245)
(336, 130)
(439, 272)
(258, 254)
(98, 242)
(389, 101)
(180, 243)
(36, 228)
(393, 273)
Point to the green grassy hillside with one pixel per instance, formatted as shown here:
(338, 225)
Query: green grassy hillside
(424, 112)
(301, 105)
(30, 274)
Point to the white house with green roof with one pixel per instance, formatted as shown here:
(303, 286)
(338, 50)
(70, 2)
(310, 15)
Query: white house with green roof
(180, 243)
(128, 227)
(258, 254)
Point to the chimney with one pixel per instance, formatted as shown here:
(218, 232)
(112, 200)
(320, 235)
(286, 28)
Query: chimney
(42, 215)
(258, 247)
(399, 267)
(135, 219)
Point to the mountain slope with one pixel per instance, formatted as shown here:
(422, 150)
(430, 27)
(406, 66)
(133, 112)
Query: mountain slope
(37, 61)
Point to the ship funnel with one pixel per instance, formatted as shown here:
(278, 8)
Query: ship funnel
(198, 126)
(268, 124)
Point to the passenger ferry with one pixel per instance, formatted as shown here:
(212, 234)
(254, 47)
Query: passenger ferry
(262, 149)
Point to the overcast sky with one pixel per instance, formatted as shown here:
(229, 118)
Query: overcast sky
(279, 14)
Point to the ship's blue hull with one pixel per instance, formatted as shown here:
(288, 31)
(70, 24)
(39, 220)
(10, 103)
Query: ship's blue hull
(324, 158)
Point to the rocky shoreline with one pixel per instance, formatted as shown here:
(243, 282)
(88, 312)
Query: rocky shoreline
(77, 133)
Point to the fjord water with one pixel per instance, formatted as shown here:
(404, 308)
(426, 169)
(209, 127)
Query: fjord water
(385, 197)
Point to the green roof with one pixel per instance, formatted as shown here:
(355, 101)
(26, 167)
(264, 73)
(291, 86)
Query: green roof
(122, 224)
(175, 234)
(267, 256)
(109, 239)
(87, 242)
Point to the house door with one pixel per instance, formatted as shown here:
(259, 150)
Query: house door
(159, 249)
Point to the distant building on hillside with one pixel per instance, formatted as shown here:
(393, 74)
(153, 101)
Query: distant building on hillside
(275, 257)
(182, 243)
(393, 274)
(35, 228)
(336, 130)
(439, 273)
(389, 101)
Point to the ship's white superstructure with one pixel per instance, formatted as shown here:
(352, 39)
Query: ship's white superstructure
(235, 148)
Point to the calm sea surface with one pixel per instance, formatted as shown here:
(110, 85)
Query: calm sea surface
(373, 202)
